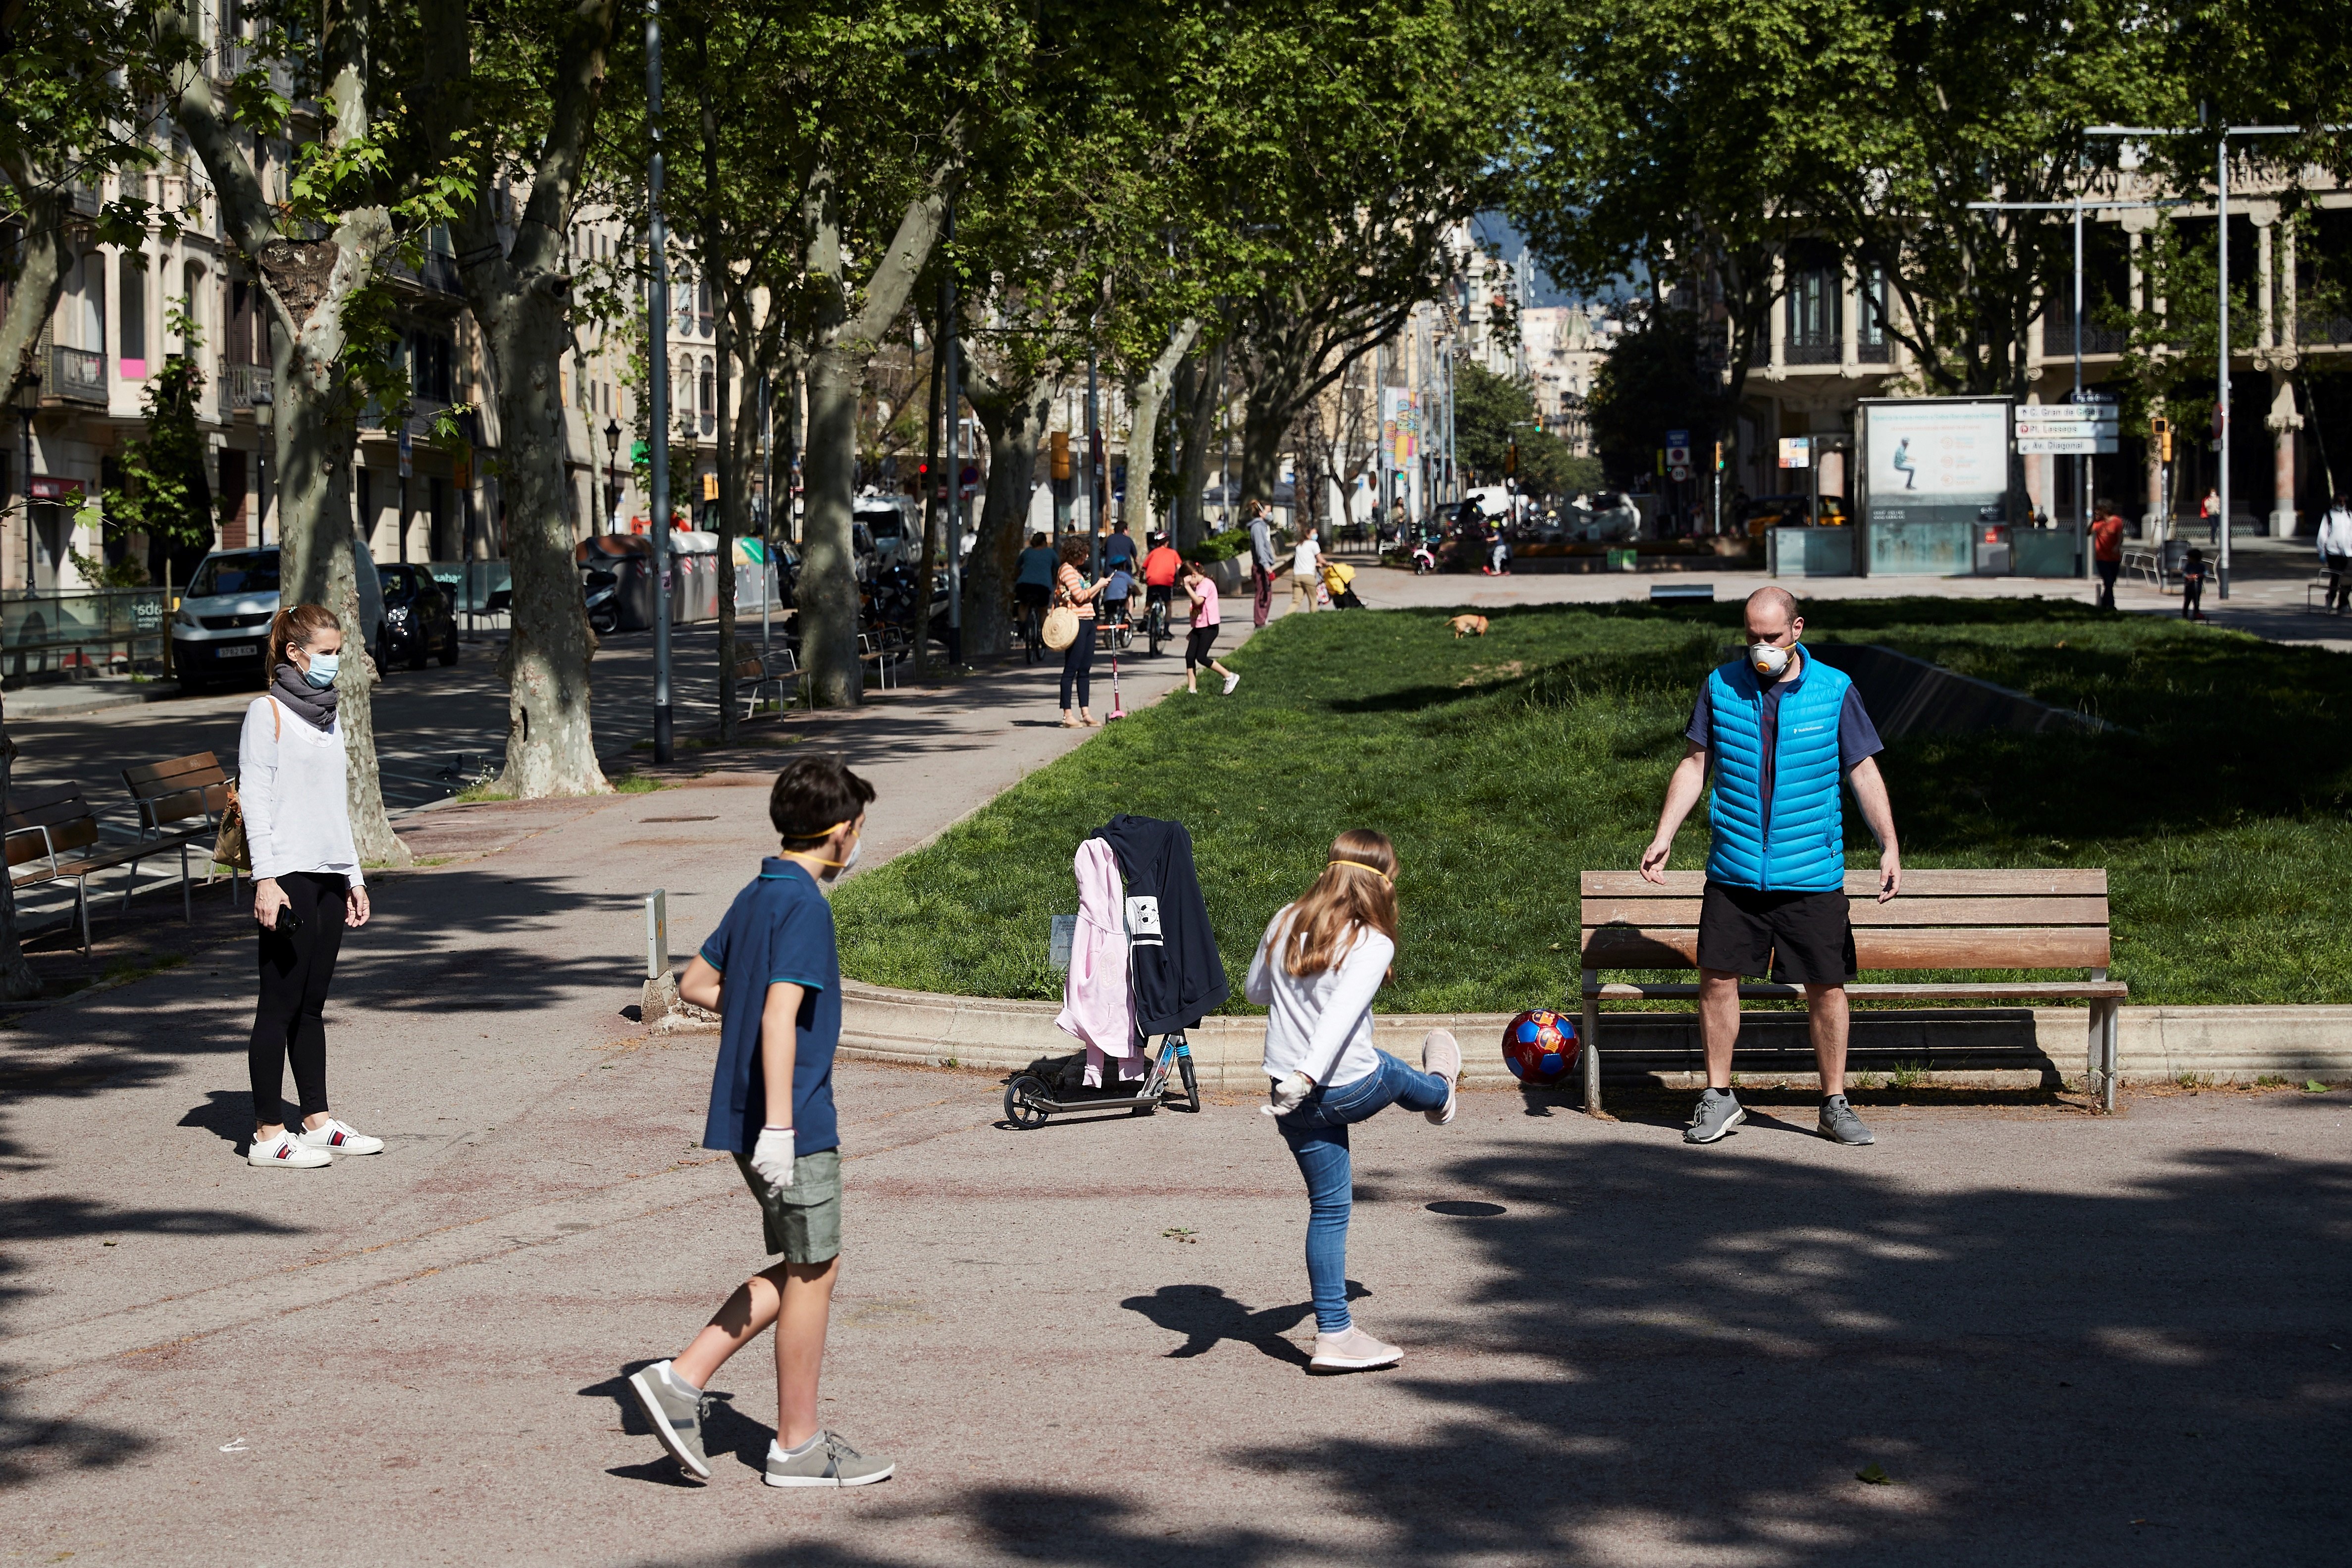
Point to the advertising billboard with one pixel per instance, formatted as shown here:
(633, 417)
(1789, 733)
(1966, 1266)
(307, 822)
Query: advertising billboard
(1934, 469)
(1399, 425)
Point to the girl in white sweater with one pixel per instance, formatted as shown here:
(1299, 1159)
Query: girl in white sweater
(1315, 971)
(307, 885)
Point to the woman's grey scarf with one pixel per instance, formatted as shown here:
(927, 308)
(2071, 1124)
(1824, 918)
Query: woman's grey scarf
(296, 692)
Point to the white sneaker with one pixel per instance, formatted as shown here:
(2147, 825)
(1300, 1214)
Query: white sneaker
(1232, 681)
(1441, 1053)
(285, 1152)
(340, 1138)
(1353, 1351)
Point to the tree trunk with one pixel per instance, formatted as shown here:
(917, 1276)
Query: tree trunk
(521, 297)
(844, 345)
(308, 286)
(1200, 393)
(928, 561)
(1145, 396)
(1265, 426)
(39, 279)
(1015, 420)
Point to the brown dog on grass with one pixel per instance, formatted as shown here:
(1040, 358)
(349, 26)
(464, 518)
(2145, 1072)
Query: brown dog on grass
(1469, 626)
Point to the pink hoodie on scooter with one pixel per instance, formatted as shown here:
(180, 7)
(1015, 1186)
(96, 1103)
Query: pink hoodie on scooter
(1097, 1002)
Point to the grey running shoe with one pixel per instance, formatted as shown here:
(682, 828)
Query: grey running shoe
(1841, 1125)
(1353, 1351)
(674, 1407)
(1718, 1112)
(830, 1462)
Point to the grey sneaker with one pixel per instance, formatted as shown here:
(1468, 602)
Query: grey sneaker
(830, 1462)
(1841, 1125)
(1718, 1112)
(674, 1407)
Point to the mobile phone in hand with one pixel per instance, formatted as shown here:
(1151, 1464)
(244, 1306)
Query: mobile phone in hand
(288, 922)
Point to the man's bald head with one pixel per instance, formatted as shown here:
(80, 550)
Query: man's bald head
(1770, 613)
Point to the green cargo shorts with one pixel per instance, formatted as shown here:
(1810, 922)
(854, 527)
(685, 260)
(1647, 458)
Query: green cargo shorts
(802, 1221)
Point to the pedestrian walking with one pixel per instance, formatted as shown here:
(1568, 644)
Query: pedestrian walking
(1072, 588)
(2210, 509)
(1316, 972)
(307, 885)
(1262, 561)
(2107, 551)
(772, 972)
(2335, 553)
(1780, 732)
(2193, 571)
(1306, 568)
(1202, 592)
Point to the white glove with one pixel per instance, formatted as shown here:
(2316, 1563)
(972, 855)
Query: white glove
(1288, 1095)
(771, 1156)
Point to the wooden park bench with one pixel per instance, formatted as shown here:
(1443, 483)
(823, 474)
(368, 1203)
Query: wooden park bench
(1943, 919)
(180, 804)
(751, 678)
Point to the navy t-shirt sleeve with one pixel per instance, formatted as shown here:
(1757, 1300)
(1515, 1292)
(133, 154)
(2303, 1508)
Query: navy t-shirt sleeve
(714, 946)
(801, 951)
(1701, 725)
(1857, 736)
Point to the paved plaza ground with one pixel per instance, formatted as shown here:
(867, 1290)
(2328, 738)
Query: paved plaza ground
(2062, 1338)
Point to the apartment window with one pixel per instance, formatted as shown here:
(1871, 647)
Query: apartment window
(1815, 284)
(1871, 344)
(130, 313)
(709, 394)
(431, 360)
(703, 303)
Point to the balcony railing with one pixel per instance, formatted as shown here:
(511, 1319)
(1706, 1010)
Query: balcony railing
(1880, 353)
(238, 382)
(76, 375)
(438, 275)
(2058, 336)
(2311, 330)
(1811, 350)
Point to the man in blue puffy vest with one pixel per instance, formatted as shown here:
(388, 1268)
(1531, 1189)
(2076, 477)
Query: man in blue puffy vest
(1779, 732)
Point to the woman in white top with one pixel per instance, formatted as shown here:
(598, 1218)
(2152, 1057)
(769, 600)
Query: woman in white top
(307, 885)
(1306, 569)
(1315, 971)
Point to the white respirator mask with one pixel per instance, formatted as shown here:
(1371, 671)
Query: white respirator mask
(1768, 661)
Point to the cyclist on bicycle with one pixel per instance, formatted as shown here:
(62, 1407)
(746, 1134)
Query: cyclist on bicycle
(1159, 570)
(1034, 585)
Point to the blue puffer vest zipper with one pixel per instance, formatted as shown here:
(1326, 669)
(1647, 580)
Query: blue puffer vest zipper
(1803, 848)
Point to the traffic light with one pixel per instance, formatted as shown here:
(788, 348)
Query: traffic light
(1511, 459)
(2159, 431)
(711, 486)
(1060, 449)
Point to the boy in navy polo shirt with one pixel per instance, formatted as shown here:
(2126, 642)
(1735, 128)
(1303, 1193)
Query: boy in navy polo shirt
(771, 972)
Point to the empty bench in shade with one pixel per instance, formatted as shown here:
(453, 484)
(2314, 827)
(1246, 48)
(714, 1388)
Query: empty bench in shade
(2054, 920)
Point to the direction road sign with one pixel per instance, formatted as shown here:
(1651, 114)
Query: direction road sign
(2064, 446)
(2069, 413)
(2091, 395)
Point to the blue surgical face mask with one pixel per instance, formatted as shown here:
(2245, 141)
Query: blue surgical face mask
(322, 673)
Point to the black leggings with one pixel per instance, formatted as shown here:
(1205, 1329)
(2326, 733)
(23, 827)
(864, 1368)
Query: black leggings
(297, 967)
(1078, 664)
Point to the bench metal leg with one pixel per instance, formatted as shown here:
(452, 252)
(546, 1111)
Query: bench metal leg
(1591, 1052)
(187, 894)
(2110, 1016)
(81, 906)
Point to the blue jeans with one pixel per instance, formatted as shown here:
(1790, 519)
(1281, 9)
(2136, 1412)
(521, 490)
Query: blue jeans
(1317, 1135)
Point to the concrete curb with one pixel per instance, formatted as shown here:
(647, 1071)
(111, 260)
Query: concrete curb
(1988, 1047)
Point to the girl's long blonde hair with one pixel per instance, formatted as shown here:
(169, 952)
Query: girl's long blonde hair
(1357, 889)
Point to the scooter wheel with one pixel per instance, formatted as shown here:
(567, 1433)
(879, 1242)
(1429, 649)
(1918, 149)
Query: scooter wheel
(1192, 1086)
(1024, 1100)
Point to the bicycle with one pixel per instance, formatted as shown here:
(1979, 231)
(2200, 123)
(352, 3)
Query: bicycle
(1156, 620)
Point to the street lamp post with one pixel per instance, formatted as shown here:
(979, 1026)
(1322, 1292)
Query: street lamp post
(658, 389)
(611, 474)
(264, 424)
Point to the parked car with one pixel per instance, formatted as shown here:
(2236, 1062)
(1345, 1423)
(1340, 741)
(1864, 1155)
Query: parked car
(1792, 511)
(418, 621)
(220, 627)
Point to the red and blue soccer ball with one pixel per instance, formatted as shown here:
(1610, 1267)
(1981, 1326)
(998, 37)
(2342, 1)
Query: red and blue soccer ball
(1539, 1047)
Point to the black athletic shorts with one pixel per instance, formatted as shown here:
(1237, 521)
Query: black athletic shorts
(1802, 938)
(1033, 594)
(1197, 644)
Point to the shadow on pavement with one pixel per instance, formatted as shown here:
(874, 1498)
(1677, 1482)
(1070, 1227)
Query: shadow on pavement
(1679, 1357)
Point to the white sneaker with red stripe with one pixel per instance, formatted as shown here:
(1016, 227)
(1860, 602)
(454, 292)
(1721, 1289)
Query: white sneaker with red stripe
(340, 1137)
(285, 1153)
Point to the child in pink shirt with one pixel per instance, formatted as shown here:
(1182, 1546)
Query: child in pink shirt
(1203, 594)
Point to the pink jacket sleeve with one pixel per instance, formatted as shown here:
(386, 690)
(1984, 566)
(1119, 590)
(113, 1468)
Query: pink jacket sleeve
(1097, 1004)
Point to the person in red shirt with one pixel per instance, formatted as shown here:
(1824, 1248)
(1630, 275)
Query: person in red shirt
(2107, 551)
(1159, 570)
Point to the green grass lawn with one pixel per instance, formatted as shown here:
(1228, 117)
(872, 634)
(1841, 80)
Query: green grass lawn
(1504, 766)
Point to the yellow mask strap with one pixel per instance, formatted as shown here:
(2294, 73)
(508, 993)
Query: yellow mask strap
(820, 837)
(1370, 870)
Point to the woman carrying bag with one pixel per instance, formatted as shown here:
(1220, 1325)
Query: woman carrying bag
(307, 885)
(1315, 971)
(1072, 594)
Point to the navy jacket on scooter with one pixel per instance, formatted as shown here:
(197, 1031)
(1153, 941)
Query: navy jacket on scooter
(1172, 954)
